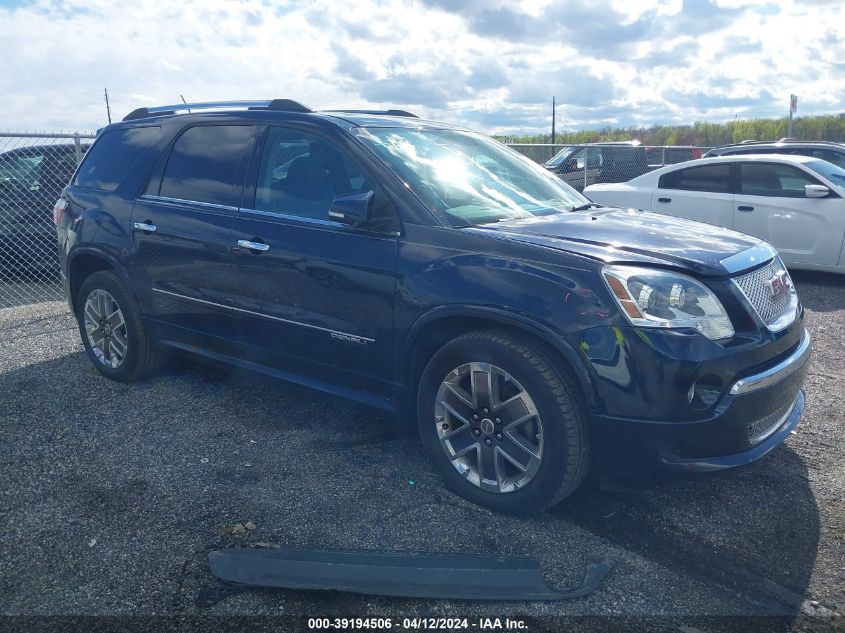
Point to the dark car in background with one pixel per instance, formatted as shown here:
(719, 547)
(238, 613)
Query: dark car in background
(829, 151)
(671, 155)
(613, 162)
(433, 273)
(31, 178)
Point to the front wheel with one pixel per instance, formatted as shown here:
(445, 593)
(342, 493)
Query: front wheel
(503, 422)
(111, 329)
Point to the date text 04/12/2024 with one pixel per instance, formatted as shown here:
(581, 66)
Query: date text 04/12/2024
(418, 624)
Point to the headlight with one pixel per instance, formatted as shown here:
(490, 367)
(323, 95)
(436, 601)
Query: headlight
(656, 298)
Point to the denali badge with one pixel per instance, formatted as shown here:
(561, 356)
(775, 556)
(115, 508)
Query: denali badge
(779, 284)
(349, 338)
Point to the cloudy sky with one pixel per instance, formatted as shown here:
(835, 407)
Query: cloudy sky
(490, 64)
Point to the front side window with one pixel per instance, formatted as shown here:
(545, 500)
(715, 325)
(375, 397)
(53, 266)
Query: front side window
(769, 179)
(595, 158)
(112, 156)
(467, 178)
(301, 173)
(591, 156)
(563, 155)
(206, 165)
(709, 178)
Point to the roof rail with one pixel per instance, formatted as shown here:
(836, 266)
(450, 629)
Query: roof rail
(382, 112)
(283, 105)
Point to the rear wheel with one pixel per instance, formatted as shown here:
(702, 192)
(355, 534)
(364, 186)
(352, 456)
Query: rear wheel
(503, 422)
(111, 329)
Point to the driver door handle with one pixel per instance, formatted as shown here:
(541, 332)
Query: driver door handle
(257, 247)
(146, 227)
(664, 199)
(744, 207)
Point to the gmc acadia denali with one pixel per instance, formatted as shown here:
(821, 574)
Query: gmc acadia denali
(431, 272)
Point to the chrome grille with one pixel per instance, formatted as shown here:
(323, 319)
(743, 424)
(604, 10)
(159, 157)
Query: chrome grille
(760, 429)
(776, 312)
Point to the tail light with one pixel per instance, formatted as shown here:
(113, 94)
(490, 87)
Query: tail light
(59, 210)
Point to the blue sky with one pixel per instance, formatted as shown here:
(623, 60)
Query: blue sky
(490, 64)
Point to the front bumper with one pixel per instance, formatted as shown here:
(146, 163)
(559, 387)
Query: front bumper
(779, 432)
(66, 291)
(755, 415)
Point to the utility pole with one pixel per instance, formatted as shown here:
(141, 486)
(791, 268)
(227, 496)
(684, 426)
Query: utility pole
(553, 120)
(108, 109)
(793, 107)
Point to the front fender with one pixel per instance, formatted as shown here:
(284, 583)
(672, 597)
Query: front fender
(494, 315)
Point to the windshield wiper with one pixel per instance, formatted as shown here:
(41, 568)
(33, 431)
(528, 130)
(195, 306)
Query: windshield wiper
(588, 205)
(497, 220)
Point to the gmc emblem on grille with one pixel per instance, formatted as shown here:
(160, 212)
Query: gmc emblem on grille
(779, 284)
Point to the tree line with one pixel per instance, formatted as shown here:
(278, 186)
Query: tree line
(703, 134)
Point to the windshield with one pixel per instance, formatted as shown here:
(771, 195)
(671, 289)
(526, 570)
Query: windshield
(832, 172)
(467, 178)
(20, 169)
(561, 156)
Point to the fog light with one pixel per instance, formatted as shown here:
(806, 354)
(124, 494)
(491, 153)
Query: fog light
(705, 392)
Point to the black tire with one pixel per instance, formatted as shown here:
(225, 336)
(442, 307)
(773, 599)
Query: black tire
(142, 357)
(559, 403)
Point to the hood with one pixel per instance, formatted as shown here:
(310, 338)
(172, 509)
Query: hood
(630, 236)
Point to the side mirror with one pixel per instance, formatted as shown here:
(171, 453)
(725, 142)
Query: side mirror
(816, 191)
(352, 209)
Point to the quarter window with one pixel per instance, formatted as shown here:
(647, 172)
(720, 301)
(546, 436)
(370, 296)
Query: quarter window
(112, 155)
(206, 165)
(710, 178)
(768, 179)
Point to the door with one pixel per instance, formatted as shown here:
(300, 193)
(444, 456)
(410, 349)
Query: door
(703, 193)
(313, 293)
(771, 204)
(181, 229)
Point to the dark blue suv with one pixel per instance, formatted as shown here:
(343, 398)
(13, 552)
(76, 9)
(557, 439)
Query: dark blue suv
(429, 271)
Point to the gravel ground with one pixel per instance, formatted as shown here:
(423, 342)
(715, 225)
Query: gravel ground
(112, 496)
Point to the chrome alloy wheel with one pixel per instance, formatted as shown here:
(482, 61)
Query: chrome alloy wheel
(105, 328)
(489, 427)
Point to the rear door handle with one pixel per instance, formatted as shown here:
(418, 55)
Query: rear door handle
(743, 207)
(146, 227)
(257, 247)
(664, 199)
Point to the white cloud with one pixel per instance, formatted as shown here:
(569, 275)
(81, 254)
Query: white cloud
(491, 64)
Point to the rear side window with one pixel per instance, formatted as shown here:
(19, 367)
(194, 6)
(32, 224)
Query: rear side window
(112, 156)
(206, 165)
(710, 178)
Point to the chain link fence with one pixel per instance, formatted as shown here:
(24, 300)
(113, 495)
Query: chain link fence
(583, 165)
(34, 168)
